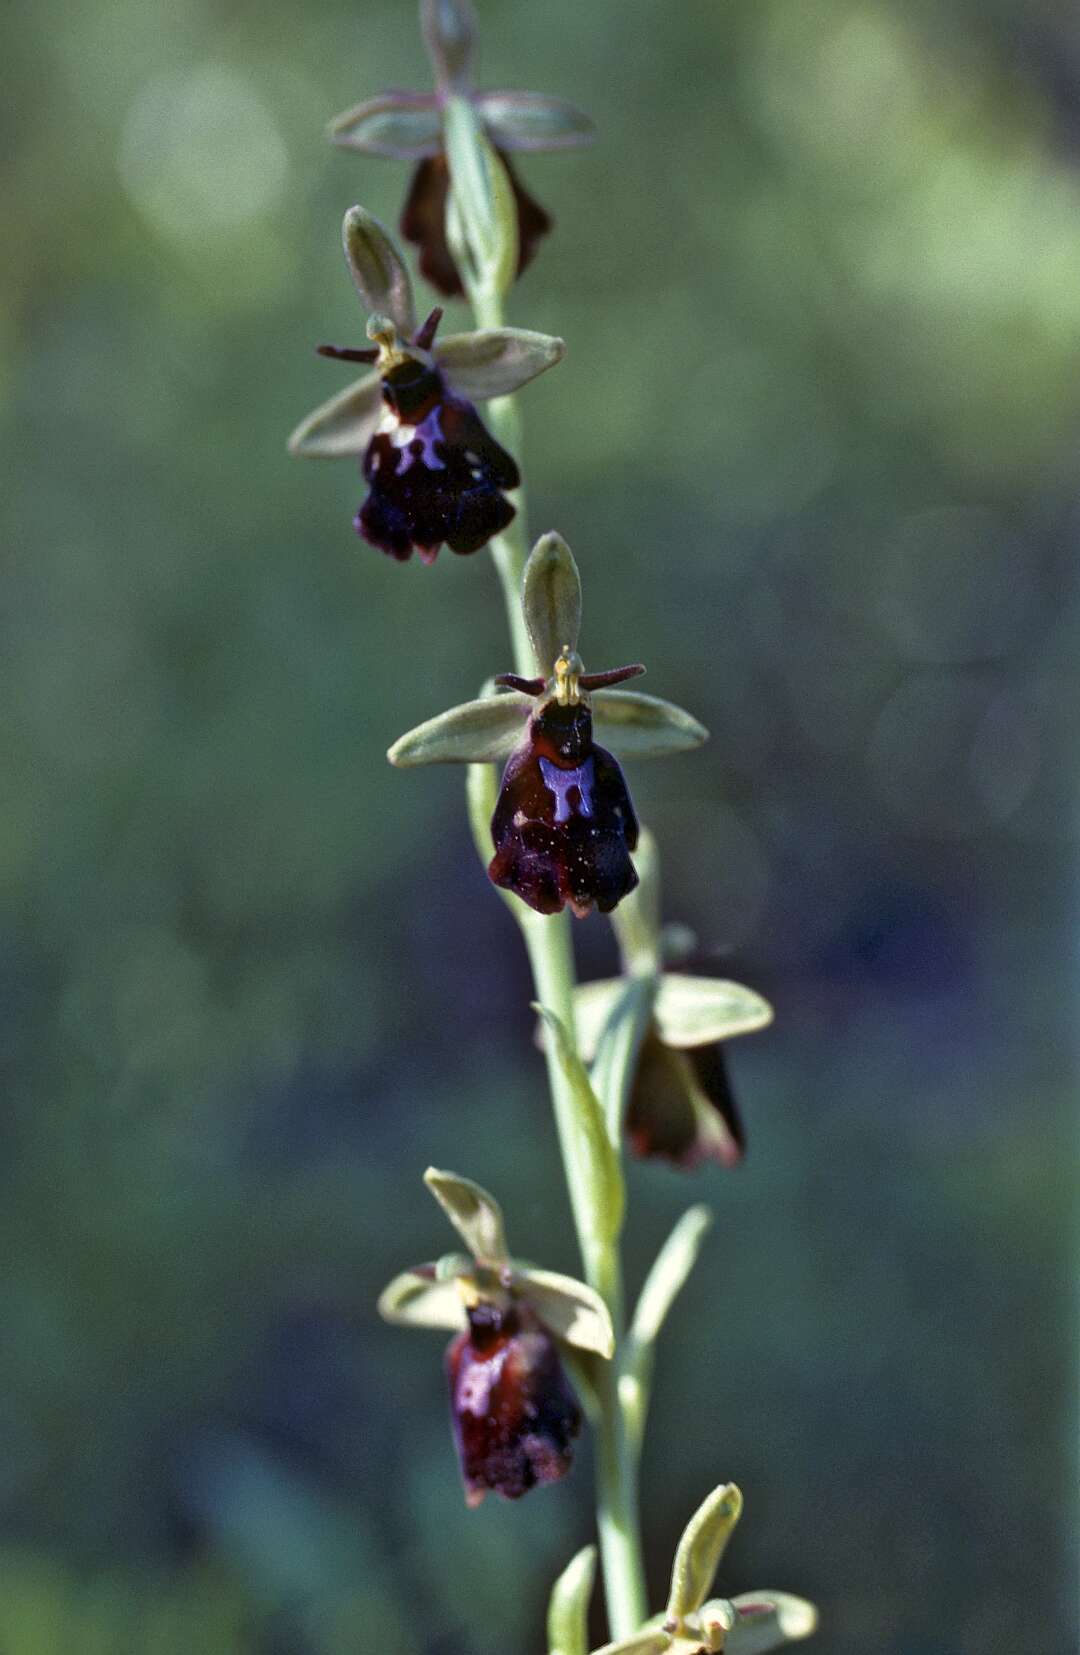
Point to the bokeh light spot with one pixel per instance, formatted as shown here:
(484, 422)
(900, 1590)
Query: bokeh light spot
(956, 587)
(200, 152)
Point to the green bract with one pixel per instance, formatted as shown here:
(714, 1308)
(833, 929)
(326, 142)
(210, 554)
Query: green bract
(603, 1174)
(436, 1295)
(569, 1605)
(700, 1549)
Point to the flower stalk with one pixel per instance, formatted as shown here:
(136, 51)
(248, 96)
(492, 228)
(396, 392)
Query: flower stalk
(638, 1058)
(482, 235)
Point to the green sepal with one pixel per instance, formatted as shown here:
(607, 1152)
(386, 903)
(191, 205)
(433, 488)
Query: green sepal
(475, 1215)
(493, 362)
(568, 1308)
(696, 1011)
(700, 1549)
(416, 1299)
(404, 125)
(477, 732)
(765, 1620)
(604, 1174)
(378, 270)
(531, 120)
(568, 1608)
(644, 726)
(551, 600)
(344, 425)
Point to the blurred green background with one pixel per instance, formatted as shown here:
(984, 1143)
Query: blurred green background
(814, 444)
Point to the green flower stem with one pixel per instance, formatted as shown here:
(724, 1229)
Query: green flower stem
(482, 230)
(550, 948)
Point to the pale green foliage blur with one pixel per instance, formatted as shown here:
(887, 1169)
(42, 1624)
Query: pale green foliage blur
(814, 446)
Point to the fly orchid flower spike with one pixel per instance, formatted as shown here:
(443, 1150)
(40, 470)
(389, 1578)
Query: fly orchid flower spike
(751, 1624)
(513, 1412)
(435, 473)
(563, 825)
(681, 1105)
(410, 127)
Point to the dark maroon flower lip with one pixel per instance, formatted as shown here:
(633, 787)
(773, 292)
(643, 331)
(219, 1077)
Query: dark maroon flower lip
(513, 1412)
(435, 473)
(564, 824)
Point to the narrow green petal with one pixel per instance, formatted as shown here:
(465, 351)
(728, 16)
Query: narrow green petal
(477, 732)
(344, 425)
(644, 726)
(700, 1550)
(696, 1011)
(570, 1309)
(381, 277)
(475, 1215)
(493, 362)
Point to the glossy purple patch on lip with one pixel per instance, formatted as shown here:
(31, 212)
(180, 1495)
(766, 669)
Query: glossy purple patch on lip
(572, 788)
